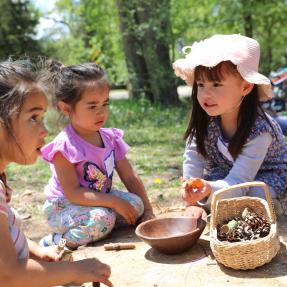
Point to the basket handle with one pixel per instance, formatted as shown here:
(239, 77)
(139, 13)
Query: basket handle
(218, 193)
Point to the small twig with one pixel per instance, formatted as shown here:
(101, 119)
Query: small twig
(119, 246)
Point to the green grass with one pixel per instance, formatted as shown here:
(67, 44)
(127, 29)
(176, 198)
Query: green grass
(154, 134)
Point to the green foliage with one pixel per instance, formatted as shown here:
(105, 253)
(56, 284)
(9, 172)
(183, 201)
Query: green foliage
(93, 26)
(17, 29)
(193, 20)
(145, 122)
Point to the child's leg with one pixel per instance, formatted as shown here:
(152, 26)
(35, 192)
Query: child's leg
(79, 225)
(133, 199)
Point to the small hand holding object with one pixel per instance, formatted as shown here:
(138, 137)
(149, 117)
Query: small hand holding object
(92, 270)
(195, 189)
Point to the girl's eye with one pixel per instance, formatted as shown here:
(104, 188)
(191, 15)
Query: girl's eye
(34, 118)
(216, 84)
(97, 107)
(200, 85)
(37, 118)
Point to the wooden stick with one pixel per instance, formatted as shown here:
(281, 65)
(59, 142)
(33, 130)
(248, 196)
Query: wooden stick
(119, 246)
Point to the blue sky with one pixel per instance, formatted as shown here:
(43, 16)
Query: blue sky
(45, 6)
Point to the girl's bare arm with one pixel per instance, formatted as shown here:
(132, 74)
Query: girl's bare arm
(132, 181)
(15, 272)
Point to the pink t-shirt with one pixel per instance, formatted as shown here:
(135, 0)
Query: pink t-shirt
(17, 235)
(94, 165)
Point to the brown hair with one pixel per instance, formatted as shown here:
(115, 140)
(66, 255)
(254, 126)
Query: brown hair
(18, 78)
(71, 81)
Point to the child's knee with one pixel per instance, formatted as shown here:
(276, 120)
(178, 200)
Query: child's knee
(102, 217)
(101, 222)
(138, 204)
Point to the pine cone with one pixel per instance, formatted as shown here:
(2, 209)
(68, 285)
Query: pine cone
(248, 227)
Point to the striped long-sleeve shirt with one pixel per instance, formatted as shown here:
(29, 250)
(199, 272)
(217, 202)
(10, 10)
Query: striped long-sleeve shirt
(17, 235)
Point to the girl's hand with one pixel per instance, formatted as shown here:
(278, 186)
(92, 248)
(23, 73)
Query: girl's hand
(201, 190)
(47, 253)
(126, 210)
(148, 214)
(195, 212)
(92, 270)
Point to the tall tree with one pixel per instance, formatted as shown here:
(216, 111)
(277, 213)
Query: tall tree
(145, 26)
(18, 29)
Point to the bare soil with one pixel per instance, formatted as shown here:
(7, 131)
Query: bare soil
(145, 267)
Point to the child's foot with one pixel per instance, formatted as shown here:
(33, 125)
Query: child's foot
(50, 240)
(54, 239)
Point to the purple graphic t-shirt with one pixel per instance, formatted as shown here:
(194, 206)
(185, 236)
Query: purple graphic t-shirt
(94, 165)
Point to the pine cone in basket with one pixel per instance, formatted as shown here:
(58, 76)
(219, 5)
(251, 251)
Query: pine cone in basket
(249, 226)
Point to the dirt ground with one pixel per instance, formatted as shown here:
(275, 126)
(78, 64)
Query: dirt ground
(145, 267)
(196, 267)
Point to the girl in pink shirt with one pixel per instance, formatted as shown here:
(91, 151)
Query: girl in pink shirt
(82, 206)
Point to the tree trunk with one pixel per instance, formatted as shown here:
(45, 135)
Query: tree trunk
(145, 28)
(138, 75)
(154, 15)
(269, 43)
(247, 18)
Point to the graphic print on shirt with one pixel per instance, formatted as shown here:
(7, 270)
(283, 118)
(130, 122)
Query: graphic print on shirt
(110, 164)
(94, 176)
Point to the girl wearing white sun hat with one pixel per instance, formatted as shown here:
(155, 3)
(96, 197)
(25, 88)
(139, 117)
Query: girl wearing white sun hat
(230, 139)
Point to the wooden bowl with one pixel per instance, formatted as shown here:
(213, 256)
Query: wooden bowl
(171, 235)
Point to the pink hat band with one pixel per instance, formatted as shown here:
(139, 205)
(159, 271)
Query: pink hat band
(242, 51)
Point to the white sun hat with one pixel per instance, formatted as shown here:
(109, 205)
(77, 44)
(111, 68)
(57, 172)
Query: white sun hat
(242, 51)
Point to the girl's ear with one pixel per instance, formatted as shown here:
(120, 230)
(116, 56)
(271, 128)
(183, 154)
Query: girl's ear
(64, 108)
(247, 88)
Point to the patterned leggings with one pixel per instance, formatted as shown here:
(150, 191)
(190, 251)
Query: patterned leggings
(80, 225)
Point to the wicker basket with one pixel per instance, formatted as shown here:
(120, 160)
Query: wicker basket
(247, 254)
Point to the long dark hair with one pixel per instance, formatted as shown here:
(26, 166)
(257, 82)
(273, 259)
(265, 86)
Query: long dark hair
(199, 119)
(71, 81)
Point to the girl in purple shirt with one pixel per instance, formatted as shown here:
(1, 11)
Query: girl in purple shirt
(82, 206)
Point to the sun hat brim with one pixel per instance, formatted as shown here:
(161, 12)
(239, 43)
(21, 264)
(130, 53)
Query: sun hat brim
(264, 84)
(184, 69)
